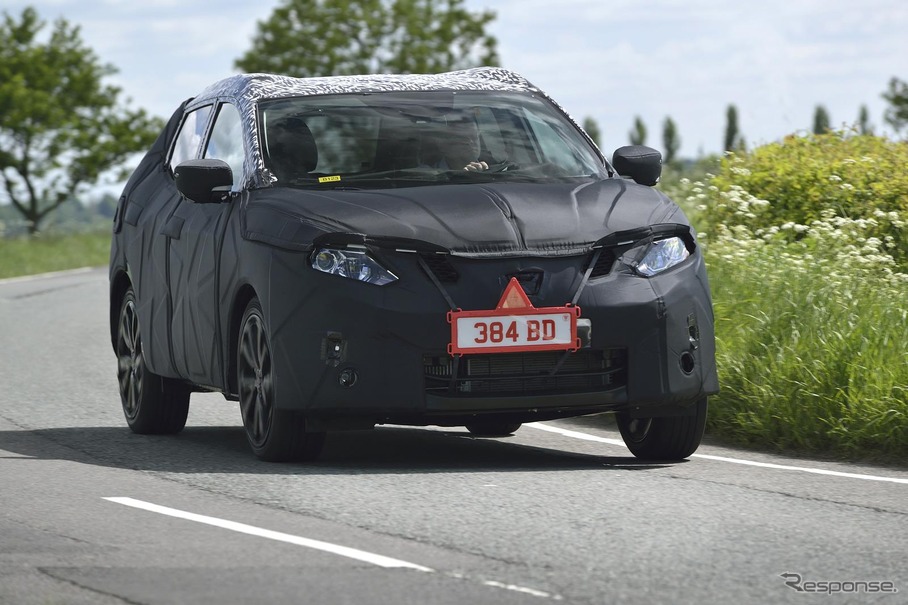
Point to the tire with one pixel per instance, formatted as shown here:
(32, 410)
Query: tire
(492, 428)
(668, 438)
(274, 435)
(153, 405)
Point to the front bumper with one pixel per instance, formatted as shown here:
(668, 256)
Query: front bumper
(652, 349)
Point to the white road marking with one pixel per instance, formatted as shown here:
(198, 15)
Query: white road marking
(803, 469)
(574, 434)
(36, 277)
(343, 551)
(522, 589)
(783, 467)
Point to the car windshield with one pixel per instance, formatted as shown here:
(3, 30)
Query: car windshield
(400, 139)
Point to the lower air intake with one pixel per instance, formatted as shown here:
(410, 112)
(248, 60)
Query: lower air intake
(509, 374)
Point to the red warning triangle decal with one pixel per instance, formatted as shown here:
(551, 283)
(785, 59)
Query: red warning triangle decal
(514, 297)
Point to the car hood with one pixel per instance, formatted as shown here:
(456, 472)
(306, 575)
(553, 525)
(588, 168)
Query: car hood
(488, 219)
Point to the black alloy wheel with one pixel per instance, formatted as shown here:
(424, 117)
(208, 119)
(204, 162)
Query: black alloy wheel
(274, 435)
(151, 404)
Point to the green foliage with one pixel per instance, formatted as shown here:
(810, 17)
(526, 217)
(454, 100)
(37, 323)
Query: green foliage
(805, 243)
(638, 134)
(808, 361)
(671, 142)
(60, 126)
(676, 179)
(592, 129)
(305, 38)
(897, 96)
(53, 252)
(799, 179)
(820, 120)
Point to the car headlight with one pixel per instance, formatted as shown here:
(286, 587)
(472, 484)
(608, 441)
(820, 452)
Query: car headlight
(661, 255)
(353, 264)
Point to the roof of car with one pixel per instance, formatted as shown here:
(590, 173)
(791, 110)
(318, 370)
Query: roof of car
(249, 88)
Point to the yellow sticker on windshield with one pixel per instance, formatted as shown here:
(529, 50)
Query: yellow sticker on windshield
(329, 179)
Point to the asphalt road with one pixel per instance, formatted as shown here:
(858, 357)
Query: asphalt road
(90, 513)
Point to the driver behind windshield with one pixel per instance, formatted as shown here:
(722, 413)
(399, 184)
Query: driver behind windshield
(452, 144)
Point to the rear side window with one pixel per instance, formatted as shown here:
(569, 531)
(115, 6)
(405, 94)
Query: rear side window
(189, 139)
(226, 142)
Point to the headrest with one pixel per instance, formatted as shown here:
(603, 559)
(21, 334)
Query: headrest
(291, 148)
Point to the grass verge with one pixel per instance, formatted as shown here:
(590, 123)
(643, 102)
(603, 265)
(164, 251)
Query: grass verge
(810, 362)
(53, 252)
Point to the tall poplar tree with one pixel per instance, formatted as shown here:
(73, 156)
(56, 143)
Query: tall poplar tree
(897, 96)
(820, 120)
(638, 134)
(592, 129)
(732, 135)
(671, 142)
(864, 126)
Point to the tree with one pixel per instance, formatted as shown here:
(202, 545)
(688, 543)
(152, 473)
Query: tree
(732, 136)
(670, 139)
(60, 126)
(638, 134)
(864, 126)
(897, 96)
(592, 129)
(306, 38)
(820, 120)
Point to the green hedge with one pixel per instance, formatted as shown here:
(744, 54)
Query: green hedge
(803, 179)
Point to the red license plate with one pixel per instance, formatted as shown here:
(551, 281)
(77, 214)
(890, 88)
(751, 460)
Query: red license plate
(506, 330)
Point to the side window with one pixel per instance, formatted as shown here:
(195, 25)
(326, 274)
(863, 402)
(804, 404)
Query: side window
(189, 139)
(226, 142)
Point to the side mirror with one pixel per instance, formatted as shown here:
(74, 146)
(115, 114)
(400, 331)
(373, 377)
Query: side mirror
(643, 164)
(204, 181)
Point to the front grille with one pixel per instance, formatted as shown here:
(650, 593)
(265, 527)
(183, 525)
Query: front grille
(603, 264)
(509, 374)
(441, 267)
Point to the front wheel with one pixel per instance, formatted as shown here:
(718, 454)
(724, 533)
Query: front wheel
(664, 438)
(274, 435)
(152, 404)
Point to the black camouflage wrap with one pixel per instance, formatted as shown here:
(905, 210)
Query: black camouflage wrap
(194, 268)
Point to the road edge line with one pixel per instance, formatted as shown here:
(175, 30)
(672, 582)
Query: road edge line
(769, 465)
(38, 276)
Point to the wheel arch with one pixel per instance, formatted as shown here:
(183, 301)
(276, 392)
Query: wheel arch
(119, 284)
(245, 294)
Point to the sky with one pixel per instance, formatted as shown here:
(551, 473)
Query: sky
(611, 60)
